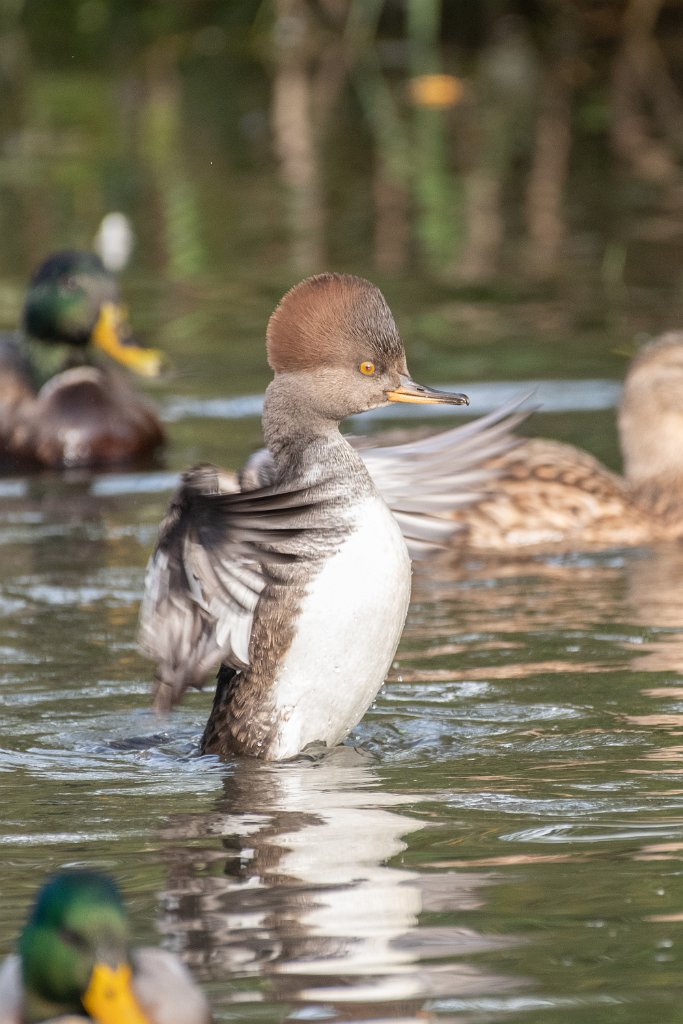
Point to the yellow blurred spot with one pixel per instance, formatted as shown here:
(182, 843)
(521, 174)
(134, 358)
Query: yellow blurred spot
(109, 998)
(112, 334)
(436, 91)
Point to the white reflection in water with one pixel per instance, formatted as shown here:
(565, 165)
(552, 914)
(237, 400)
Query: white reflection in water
(306, 894)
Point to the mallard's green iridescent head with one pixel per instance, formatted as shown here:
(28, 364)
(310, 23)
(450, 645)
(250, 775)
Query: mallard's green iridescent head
(76, 936)
(73, 300)
(65, 296)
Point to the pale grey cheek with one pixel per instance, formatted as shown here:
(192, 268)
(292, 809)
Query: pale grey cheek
(377, 400)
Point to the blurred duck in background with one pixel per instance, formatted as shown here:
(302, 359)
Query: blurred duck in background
(59, 407)
(549, 495)
(74, 964)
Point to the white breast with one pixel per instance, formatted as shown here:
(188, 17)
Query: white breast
(347, 632)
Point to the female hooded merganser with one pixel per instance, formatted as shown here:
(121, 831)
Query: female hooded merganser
(59, 408)
(550, 495)
(298, 583)
(73, 958)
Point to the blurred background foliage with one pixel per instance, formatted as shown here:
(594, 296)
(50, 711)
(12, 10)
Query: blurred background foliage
(486, 150)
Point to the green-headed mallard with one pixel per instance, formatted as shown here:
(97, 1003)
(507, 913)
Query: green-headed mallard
(58, 407)
(554, 496)
(73, 959)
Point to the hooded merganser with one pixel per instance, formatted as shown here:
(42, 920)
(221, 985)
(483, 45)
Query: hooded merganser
(550, 495)
(73, 958)
(57, 407)
(297, 579)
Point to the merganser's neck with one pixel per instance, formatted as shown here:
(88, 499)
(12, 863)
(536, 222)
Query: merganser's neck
(294, 425)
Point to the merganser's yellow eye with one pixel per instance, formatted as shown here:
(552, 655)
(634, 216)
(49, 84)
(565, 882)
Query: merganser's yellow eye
(367, 368)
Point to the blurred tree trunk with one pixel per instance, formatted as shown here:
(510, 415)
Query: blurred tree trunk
(392, 220)
(392, 158)
(506, 89)
(295, 136)
(644, 98)
(552, 145)
(173, 193)
(431, 177)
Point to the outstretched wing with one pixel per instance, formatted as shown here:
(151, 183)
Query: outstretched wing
(212, 560)
(424, 481)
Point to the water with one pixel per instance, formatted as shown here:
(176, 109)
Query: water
(501, 838)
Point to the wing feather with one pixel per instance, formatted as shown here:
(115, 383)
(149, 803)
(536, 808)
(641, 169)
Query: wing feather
(218, 546)
(423, 481)
(207, 573)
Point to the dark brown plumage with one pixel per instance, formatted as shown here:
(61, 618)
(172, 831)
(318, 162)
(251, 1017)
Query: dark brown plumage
(58, 407)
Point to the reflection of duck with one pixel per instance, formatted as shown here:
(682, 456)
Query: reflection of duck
(56, 407)
(269, 886)
(73, 959)
(300, 587)
(555, 495)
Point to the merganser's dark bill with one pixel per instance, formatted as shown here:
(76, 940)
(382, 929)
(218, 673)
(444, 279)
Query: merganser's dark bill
(410, 391)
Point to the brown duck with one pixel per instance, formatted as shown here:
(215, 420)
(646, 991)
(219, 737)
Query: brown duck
(58, 406)
(551, 495)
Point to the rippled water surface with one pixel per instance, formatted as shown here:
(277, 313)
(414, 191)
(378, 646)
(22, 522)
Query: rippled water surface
(501, 839)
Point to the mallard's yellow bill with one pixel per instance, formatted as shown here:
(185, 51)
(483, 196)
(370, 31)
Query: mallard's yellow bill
(409, 391)
(109, 998)
(112, 334)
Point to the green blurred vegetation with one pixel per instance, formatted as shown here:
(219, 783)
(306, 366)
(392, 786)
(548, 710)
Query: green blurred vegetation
(522, 156)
